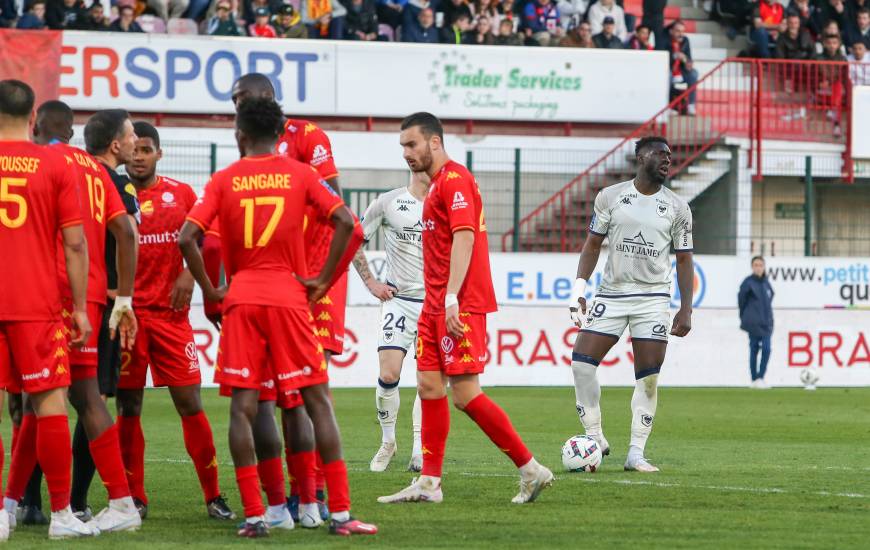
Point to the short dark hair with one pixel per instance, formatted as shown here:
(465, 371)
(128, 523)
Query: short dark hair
(864, 9)
(428, 123)
(256, 81)
(145, 130)
(16, 98)
(56, 108)
(831, 35)
(646, 141)
(260, 118)
(103, 128)
(757, 258)
(639, 27)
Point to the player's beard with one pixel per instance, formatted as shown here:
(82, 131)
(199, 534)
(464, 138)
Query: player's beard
(425, 162)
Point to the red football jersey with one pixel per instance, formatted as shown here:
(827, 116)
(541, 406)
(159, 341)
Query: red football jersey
(100, 204)
(164, 207)
(454, 203)
(38, 197)
(261, 202)
(306, 142)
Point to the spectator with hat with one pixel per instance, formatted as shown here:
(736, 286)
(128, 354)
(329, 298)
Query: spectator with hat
(223, 23)
(606, 39)
(288, 23)
(261, 26)
(608, 8)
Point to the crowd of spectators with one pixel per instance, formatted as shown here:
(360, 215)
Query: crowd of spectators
(567, 23)
(824, 30)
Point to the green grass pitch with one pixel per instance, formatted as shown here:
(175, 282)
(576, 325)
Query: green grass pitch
(740, 469)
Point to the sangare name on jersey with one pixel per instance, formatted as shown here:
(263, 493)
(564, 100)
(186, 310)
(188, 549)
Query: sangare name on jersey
(641, 229)
(400, 215)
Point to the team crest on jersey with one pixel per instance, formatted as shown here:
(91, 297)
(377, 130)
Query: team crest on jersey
(458, 201)
(168, 197)
(282, 148)
(661, 209)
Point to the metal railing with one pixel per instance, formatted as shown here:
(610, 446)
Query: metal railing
(749, 99)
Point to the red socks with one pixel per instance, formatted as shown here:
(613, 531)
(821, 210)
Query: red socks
(249, 489)
(2, 455)
(496, 424)
(304, 473)
(23, 458)
(15, 429)
(54, 451)
(271, 473)
(337, 486)
(319, 476)
(106, 452)
(436, 426)
(291, 472)
(133, 453)
(199, 442)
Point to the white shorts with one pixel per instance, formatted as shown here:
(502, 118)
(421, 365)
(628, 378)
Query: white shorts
(398, 328)
(647, 317)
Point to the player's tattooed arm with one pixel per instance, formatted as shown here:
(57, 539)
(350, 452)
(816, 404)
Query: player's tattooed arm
(378, 289)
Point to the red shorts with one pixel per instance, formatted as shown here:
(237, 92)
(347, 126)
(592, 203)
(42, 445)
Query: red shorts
(329, 317)
(263, 343)
(33, 356)
(83, 360)
(167, 346)
(438, 351)
(289, 399)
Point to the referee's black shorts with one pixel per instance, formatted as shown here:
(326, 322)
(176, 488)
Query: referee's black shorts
(109, 356)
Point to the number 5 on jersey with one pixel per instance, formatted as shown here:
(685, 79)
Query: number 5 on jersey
(250, 206)
(8, 195)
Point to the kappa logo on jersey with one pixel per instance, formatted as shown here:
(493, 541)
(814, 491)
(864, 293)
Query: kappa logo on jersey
(466, 358)
(465, 343)
(458, 201)
(638, 245)
(447, 344)
(319, 155)
(324, 316)
(310, 127)
(401, 208)
(626, 200)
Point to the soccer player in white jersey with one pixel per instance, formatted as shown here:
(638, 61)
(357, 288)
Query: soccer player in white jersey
(399, 212)
(641, 220)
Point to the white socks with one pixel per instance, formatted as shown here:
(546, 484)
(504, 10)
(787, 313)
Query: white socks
(529, 469)
(341, 516)
(643, 412)
(588, 394)
(387, 402)
(417, 422)
(124, 504)
(11, 506)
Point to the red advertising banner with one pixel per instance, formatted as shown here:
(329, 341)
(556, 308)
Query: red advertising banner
(32, 57)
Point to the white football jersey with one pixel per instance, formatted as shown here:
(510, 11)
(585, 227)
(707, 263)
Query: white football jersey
(400, 215)
(641, 229)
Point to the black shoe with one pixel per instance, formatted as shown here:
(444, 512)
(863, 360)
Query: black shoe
(31, 515)
(321, 505)
(218, 509)
(293, 506)
(141, 507)
(254, 530)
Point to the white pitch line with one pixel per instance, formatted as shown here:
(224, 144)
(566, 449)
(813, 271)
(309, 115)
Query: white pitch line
(588, 478)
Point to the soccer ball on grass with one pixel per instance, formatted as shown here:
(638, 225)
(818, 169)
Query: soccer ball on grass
(581, 453)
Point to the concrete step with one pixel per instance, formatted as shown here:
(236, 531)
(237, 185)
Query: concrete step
(694, 13)
(707, 26)
(685, 3)
(709, 54)
(702, 40)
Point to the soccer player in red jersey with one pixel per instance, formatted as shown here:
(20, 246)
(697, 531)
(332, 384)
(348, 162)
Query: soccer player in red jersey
(451, 342)
(267, 332)
(165, 342)
(102, 209)
(303, 141)
(39, 201)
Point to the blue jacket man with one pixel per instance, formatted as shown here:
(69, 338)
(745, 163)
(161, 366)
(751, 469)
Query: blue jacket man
(755, 302)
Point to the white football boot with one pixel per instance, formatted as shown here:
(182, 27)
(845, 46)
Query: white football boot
(309, 516)
(422, 489)
(119, 515)
(532, 486)
(4, 526)
(382, 458)
(639, 464)
(64, 525)
(279, 519)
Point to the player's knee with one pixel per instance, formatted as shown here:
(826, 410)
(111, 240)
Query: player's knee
(388, 380)
(129, 403)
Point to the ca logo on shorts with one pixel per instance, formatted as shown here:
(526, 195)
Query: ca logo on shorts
(660, 330)
(446, 344)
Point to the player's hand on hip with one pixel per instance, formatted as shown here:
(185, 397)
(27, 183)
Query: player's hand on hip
(127, 329)
(182, 291)
(315, 287)
(216, 294)
(381, 291)
(454, 325)
(682, 323)
(81, 329)
(577, 305)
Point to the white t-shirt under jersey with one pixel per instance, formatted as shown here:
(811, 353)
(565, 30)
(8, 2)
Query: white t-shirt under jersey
(400, 215)
(641, 229)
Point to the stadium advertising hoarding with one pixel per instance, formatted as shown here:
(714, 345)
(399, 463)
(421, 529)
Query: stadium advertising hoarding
(531, 346)
(189, 74)
(799, 283)
(860, 116)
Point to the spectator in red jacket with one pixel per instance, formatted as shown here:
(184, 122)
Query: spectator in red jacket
(767, 22)
(261, 26)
